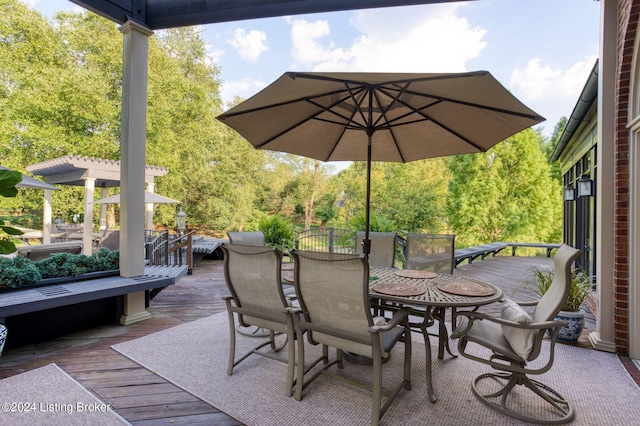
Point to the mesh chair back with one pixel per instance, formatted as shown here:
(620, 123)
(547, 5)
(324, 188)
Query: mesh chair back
(252, 274)
(333, 292)
(431, 252)
(383, 248)
(552, 301)
(255, 238)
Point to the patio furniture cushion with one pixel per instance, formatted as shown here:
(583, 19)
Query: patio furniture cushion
(521, 340)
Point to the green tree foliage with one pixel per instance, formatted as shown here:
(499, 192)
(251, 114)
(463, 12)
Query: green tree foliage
(8, 181)
(410, 196)
(506, 194)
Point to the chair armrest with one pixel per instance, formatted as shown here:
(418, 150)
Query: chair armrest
(398, 317)
(533, 326)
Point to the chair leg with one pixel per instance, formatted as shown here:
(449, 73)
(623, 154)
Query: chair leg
(232, 343)
(561, 411)
(377, 390)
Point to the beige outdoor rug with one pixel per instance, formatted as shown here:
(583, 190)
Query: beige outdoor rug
(49, 396)
(194, 357)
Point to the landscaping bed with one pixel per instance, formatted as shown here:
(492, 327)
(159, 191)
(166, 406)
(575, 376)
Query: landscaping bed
(18, 273)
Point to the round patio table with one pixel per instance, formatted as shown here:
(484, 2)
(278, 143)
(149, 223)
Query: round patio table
(433, 295)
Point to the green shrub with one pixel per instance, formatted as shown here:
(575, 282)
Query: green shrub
(18, 271)
(67, 264)
(278, 232)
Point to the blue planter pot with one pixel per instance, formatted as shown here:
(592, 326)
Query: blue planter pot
(3, 337)
(571, 333)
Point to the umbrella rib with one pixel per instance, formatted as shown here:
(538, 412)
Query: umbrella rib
(322, 107)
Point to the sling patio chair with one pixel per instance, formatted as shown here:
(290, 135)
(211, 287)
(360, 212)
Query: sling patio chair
(430, 252)
(253, 238)
(253, 277)
(433, 253)
(333, 291)
(383, 248)
(515, 341)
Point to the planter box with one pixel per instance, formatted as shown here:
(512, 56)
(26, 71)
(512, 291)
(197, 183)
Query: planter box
(64, 280)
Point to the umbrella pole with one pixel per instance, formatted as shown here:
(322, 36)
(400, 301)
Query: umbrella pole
(366, 243)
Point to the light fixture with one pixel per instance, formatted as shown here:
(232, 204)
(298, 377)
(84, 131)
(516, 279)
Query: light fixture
(585, 187)
(181, 221)
(569, 193)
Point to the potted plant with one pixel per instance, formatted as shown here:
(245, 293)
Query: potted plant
(571, 311)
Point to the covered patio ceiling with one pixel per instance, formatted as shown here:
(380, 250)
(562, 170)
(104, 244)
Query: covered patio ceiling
(160, 14)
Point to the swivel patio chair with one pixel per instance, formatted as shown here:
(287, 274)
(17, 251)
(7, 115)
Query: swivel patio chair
(253, 276)
(333, 291)
(253, 238)
(383, 248)
(515, 340)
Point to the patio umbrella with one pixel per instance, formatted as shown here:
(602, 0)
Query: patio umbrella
(380, 117)
(29, 182)
(149, 197)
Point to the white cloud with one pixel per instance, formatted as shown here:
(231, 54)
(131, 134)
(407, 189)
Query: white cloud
(549, 89)
(250, 45)
(243, 88)
(407, 39)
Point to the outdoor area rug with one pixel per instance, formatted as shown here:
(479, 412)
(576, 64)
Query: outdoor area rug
(194, 357)
(49, 396)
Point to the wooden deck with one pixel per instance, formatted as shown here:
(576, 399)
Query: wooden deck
(142, 397)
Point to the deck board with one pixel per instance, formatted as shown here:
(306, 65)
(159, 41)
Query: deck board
(144, 398)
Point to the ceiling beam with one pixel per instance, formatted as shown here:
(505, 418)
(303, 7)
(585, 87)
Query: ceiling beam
(160, 14)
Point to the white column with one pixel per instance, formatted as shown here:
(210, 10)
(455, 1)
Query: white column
(103, 210)
(132, 154)
(603, 338)
(149, 206)
(46, 216)
(87, 236)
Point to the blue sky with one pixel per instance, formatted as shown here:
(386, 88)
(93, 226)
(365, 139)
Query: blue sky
(541, 50)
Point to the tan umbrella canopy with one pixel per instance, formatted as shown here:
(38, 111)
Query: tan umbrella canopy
(149, 197)
(380, 117)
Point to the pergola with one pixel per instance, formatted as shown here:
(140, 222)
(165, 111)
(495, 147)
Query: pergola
(91, 173)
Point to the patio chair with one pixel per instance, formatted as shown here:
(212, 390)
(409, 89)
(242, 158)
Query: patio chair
(55, 234)
(333, 291)
(383, 248)
(254, 238)
(515, 340)
(96, 237)
(430, 252)
(252, 274)
(435, 253)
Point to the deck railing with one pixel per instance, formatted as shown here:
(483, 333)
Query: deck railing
(332, 240)
(163, 249)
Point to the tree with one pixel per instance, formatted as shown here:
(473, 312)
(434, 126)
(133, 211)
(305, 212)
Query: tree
(506, 194)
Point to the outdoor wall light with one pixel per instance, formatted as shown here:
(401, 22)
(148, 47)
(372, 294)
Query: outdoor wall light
(181, 221)
(569, 193)
(585, 187)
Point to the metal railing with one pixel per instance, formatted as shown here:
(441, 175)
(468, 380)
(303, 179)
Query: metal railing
(333, 240)
(163, 249)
